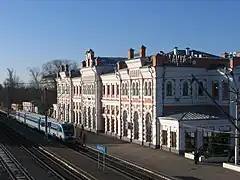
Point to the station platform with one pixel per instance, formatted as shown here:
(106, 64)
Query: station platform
(160, 161)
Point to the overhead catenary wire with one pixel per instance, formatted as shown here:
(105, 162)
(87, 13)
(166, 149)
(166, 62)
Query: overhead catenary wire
(208, 130)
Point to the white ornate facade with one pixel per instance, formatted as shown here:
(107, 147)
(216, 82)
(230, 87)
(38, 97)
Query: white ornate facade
(125, 97)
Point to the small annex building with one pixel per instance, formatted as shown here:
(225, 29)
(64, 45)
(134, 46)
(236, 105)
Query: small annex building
(184, 131)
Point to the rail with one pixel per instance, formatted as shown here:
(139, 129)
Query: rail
(15, 170)
(131, 170)
(54, 164)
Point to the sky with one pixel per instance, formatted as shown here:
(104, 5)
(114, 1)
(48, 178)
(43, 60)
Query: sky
(33, 32)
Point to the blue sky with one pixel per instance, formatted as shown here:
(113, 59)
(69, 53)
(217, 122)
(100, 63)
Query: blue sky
(35, 31)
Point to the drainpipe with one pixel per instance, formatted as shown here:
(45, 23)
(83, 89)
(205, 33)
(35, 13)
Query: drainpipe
(130, 106)
(81, 95)
(71, 97)
(96, 98)
(142, 109)
(163, 89)
(158, 128)
(120, 103)
(151, 72)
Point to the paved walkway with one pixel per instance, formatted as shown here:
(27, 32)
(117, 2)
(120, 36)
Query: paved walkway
(165, 162)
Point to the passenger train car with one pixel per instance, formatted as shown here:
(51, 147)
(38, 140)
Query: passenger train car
(62, 131)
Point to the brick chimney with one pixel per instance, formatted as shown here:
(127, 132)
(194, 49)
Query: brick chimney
(131, 53)
(142, 51)
(67, 68)
(63, 68)
(158, 60)
(83, 63)
(224, 55)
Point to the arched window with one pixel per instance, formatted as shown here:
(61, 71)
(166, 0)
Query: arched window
(89, 117)
(123, 89)
(112, 125)
(74, 90)
(137, 90)
(125, 123)
(108, 124)
(200, 89)
(76, 118)
(89, 89)
(126, 88)
(225, 90)
(94, 118)
(148, 122)
(185, 89)
(149, 89)
(80, 118)
(169, 89)
(80, 90)
(145, 88)
(133, 89)
(103, 90)
(136, 126)
(215, 90)
(85, 116)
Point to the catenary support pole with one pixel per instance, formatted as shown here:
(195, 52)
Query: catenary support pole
(46, 112)
(235, 104)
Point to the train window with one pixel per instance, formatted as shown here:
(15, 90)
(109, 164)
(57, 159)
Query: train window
(54, 127)
(68, 128)
(59, 129)
(42, 124)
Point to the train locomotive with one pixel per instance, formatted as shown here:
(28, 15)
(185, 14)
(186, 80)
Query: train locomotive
(62, 131)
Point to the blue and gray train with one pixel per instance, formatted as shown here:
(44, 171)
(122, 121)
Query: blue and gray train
(62, 131)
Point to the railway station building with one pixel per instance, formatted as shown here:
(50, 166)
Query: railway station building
(146, 99)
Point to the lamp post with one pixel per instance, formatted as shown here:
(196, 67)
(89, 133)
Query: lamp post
(46, 112)
(234, 99)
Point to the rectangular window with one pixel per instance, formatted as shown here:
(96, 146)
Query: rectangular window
(164, 137)
(173, 139)
(215, 88)
(103, 92)
(117, 89)
(108, 89)
(113, 90)
(80, 90)
(225, 91)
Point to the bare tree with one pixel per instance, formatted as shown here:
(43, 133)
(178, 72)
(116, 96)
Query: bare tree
(54, 66)
(36, 77)
(12, 80)
(51, 68)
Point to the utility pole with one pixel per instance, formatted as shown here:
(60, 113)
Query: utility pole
(8, 101)
(46, 111)
(234, 111)
(233, 118)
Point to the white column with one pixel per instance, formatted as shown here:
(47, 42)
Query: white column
(234, 114)
(70, 101)
(156, 132)
(199, 138)
(181, 138)
(169, 137)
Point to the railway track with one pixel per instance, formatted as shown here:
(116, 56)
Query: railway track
(130, 170)
(135, 173)
(58, 168)
(15, 170)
